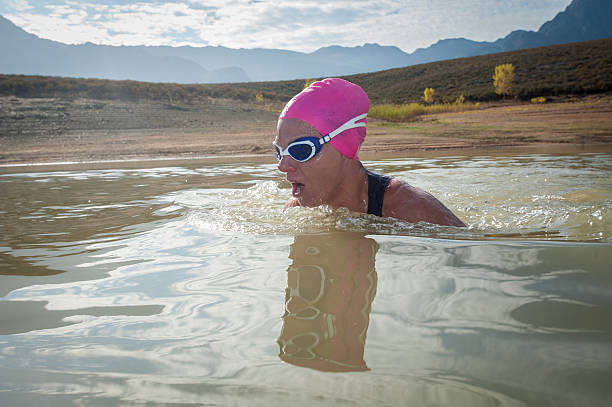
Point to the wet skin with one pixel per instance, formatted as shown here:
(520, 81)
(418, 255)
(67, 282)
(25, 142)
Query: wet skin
(333, 179)
(322, 179)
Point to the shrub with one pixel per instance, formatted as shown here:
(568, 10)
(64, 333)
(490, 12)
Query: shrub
(503, 78)
(396, 112)
(409, 111)
(308, 82)
(539, 99)
(428, 95)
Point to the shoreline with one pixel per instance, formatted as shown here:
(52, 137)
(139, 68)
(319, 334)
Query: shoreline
(210, 133)
(152, 162)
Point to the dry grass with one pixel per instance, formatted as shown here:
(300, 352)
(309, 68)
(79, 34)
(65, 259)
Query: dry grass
(410, 111)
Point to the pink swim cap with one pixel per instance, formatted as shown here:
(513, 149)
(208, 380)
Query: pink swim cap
(327, 105)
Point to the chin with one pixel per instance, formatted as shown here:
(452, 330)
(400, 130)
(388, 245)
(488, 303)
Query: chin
(308, 201)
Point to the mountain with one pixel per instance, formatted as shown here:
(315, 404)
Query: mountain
(25, 53)
(582, 20)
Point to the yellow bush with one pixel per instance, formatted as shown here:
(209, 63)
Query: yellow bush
(309, 82)
(428, 95)
(503, 78)
(539, 99)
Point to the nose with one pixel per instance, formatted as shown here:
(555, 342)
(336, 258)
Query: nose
(286, 164)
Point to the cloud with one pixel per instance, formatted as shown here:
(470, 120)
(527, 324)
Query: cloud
(288, 24)
(20, 5)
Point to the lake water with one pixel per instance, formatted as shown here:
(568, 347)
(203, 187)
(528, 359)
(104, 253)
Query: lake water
(187, 285)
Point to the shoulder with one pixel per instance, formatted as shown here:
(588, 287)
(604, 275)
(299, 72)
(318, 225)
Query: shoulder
(403, 201)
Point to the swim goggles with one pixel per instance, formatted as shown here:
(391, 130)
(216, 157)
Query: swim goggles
(304, 148)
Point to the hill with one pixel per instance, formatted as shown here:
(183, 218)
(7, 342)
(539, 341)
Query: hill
(557, 70)
(24, 53)
(569, 69)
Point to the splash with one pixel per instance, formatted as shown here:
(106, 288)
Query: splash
(541, 198)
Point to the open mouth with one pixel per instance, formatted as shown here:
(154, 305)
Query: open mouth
(296, 189)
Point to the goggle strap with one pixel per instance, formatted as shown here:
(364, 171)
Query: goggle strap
(351, 124)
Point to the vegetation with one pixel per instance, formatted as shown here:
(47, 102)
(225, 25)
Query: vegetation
(576, 69)
(503, 78)
(428, 95)
(308, 82)
(559, 70)
(101, 89)
(410, 111)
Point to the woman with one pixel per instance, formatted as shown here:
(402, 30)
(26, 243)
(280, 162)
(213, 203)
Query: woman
(333, 111)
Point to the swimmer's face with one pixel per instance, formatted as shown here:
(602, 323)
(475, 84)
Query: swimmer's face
(313, 182)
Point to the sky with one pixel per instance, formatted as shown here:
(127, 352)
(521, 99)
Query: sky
(281, 24)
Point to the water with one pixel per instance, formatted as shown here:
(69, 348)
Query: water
(187, 285)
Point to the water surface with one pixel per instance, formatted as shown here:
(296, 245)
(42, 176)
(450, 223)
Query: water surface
(187, 285)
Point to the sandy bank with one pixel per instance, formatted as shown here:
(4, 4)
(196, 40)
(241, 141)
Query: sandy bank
(45, 130)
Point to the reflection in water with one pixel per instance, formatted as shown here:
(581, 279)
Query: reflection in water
(330, 288)
(26, 316)
(16, 266)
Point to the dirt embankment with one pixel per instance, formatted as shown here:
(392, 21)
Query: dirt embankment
(50, 130)
(585, 122)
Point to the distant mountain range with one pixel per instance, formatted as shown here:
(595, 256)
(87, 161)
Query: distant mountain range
(27, 54)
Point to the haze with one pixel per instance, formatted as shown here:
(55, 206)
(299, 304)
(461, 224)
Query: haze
(283, 24)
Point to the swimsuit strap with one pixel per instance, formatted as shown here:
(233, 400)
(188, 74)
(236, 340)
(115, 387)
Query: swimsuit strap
(377, 183)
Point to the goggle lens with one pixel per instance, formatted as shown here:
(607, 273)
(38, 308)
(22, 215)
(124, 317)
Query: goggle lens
(302, 149)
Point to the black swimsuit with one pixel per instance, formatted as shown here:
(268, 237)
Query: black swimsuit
(377, 184)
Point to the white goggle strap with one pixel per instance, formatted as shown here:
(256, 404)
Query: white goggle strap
(351, 124)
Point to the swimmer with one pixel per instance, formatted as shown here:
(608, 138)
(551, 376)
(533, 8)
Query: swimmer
(333, 111)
